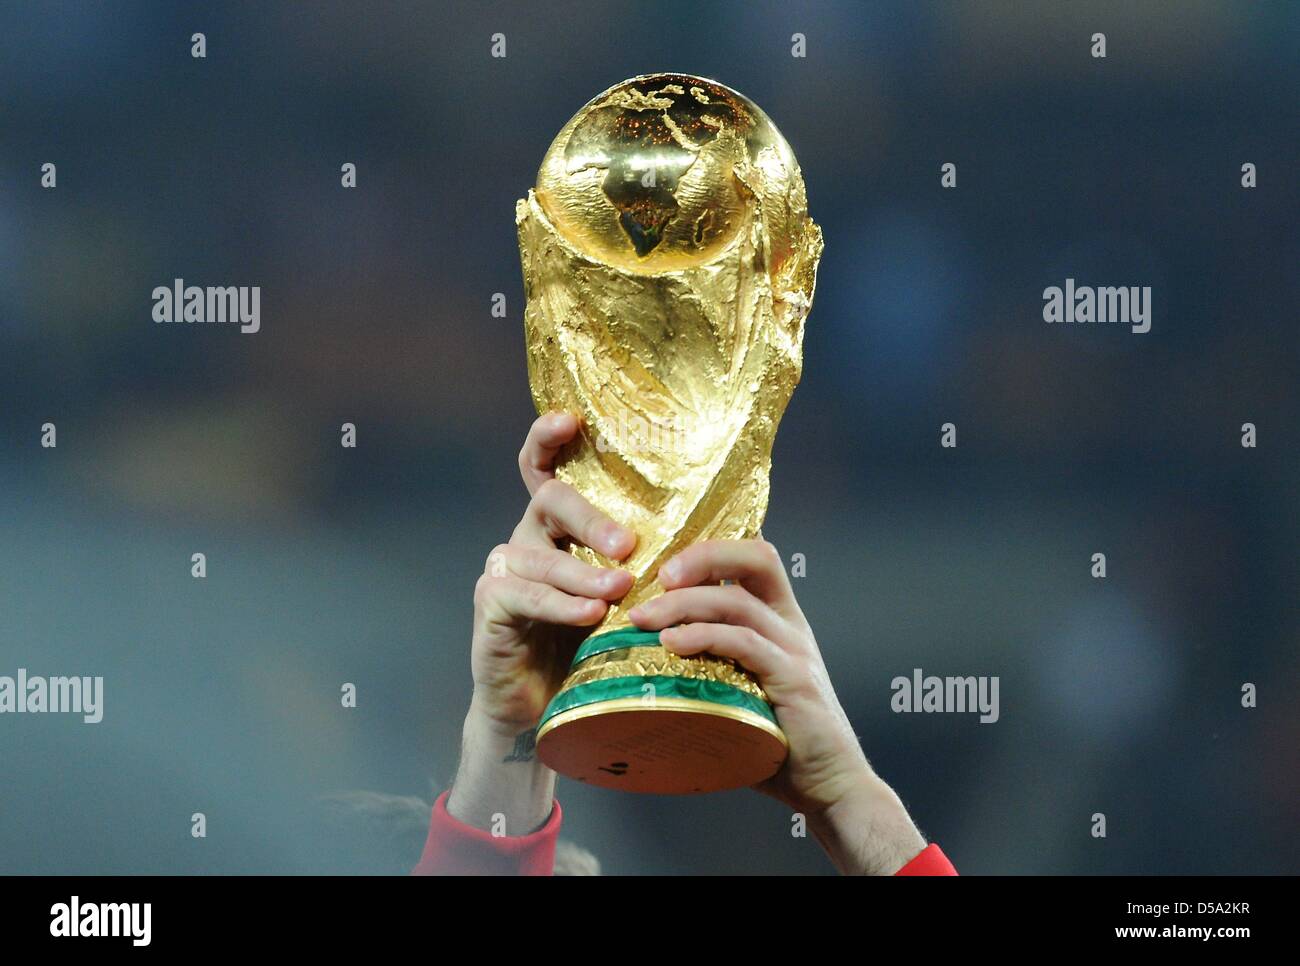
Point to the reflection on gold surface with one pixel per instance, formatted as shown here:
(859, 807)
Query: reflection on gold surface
(665, 705)
(669, 263)
(655, 661)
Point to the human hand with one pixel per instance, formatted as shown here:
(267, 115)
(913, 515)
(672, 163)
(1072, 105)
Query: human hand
(757, 622)
(534, 601)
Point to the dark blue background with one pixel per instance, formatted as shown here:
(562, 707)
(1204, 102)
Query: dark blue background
(329, 565)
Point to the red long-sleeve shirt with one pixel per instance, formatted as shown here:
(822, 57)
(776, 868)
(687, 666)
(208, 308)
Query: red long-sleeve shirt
(454, 848)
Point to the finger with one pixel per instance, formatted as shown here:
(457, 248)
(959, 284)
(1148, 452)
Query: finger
(558, 511)
(545, 438)
(509, 600)
(755, 564)
(563, 571)
(719, 605)
(743, 645)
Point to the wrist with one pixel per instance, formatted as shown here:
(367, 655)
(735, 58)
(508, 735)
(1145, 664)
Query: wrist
(866, 830)
(500, 784)
(490, 720)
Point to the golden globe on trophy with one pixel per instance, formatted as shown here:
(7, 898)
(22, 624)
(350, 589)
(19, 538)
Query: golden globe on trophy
(669, 264)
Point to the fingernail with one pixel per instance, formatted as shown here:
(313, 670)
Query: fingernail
(639, 612)
(611, 579)
(613, 536)
(670, 571)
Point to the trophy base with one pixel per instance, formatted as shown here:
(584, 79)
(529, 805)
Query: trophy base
(666, 733)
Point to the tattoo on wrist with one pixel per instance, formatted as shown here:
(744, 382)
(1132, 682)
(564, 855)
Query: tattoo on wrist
(525, 746)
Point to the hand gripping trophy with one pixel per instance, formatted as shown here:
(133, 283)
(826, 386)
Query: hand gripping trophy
(669, 263)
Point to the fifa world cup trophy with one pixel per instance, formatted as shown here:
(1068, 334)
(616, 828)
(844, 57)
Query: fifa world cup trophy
(669, 264)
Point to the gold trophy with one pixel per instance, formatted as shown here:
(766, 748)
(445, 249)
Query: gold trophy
(669, 263)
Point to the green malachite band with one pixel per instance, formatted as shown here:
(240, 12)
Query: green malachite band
(696, 689)
(613, 640)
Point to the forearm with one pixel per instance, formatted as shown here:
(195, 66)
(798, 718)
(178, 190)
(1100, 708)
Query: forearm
(868, 831)
(500, 785)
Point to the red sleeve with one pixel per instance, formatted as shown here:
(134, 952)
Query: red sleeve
(931, 861)
(454, 848)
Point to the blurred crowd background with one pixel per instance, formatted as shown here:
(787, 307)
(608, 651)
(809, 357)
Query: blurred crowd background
(328, 565)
